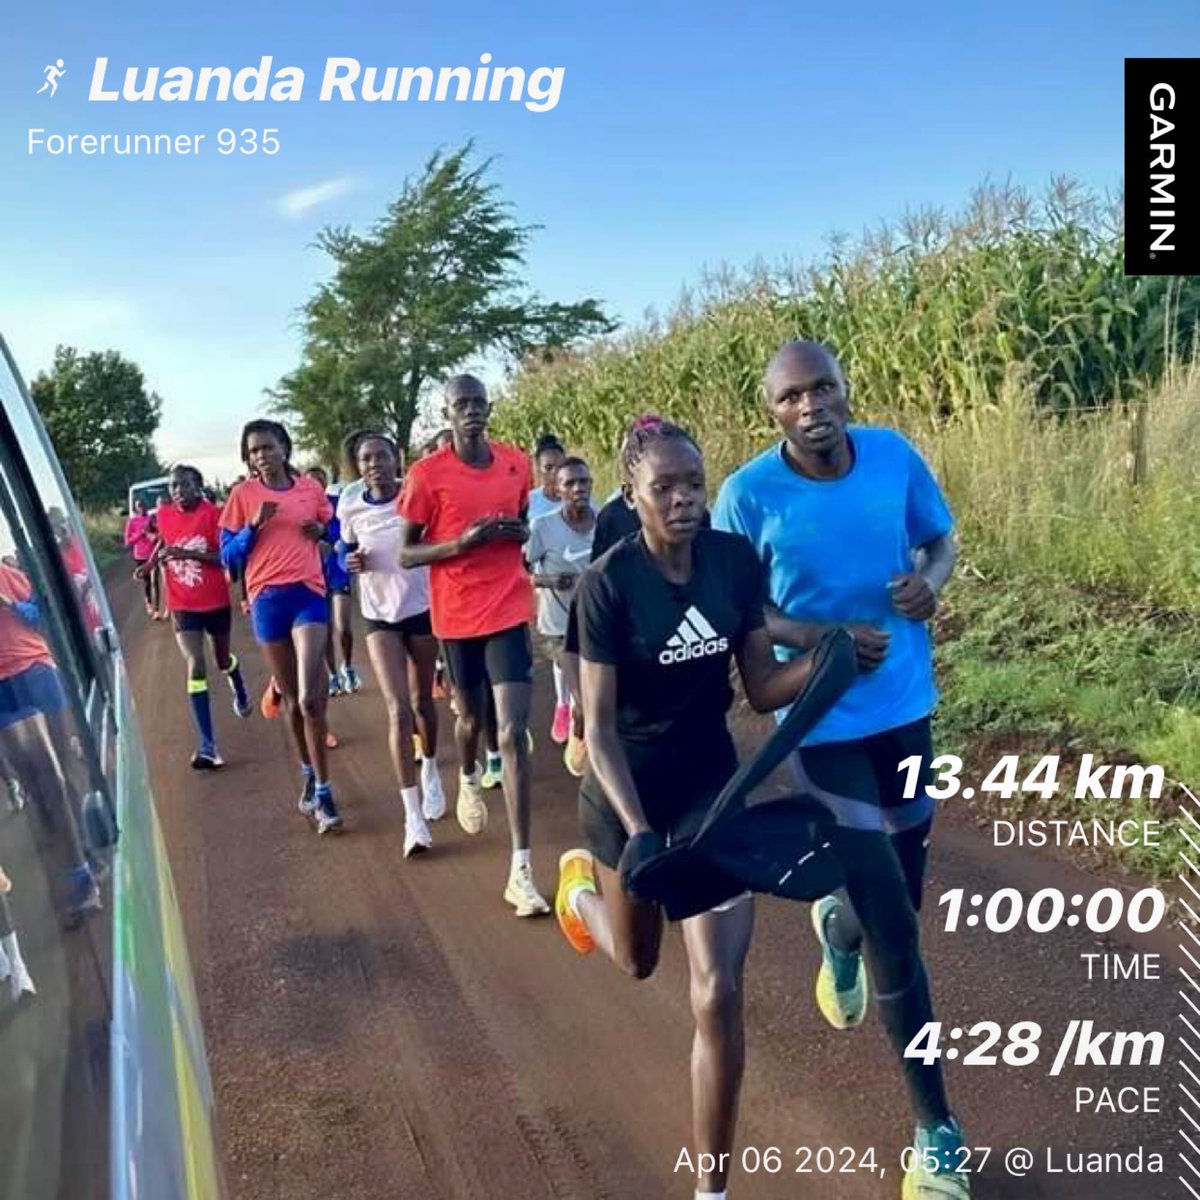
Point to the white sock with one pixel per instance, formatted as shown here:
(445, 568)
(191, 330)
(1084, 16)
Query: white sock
(472, 778)
(712, 1196)
(429, 770)
(412, 802)
(520, 858)
(562, 696)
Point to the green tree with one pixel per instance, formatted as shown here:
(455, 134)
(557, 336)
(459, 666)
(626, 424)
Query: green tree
(434, 284)
(101, 420)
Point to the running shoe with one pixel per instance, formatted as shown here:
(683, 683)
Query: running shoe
(560, 730)
(335, 685)
(207, 760)
(272, 701)
(245, 608)
(12, 967)
(5, 883)
(576, 869)
(16, 795)
(83, 895)
(244, 711)
(327, 817)
(418, 748)
(575, 756)
(522, 895)
(937, 1155)
(440, 691)
(417, 838)
(493, 775)
(308, 797)
(433, 806)
(350, 681)
(331, 740)
(842, 980)
(471, 811)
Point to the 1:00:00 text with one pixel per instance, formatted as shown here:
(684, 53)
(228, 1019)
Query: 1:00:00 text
(1102, 912)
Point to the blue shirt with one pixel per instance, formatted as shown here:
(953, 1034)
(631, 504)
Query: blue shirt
(830, 548)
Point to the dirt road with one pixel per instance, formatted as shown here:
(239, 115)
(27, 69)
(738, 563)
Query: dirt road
(384, 1028)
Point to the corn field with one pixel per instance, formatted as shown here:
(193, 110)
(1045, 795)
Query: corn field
(1045, 385)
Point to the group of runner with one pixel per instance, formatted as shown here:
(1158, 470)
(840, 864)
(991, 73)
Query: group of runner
(645, 606)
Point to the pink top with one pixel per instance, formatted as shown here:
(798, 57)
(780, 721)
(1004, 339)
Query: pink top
(139, 537)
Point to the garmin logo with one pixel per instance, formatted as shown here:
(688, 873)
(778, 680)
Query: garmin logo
(1162, 201)
(344, 79)
(695, 638)
(1162, 182)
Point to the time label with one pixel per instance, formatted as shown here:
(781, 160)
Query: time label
(1047, 909)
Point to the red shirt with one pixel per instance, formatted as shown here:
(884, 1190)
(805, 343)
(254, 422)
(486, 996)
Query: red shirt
(281, 553)
(485, 590)
(193, 586)
(21, 646)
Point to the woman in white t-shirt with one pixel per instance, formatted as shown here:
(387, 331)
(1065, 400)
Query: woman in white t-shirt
(400, 641)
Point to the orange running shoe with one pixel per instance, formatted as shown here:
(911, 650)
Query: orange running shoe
(576, 869)
(272, 701)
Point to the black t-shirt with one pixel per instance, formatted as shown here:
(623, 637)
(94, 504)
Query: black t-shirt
(672, 644)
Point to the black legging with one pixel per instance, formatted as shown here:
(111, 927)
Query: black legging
(878, 912)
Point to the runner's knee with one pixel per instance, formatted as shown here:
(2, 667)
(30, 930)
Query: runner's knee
(716, 997)
(511, 738)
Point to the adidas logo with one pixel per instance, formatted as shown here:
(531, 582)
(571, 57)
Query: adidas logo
(695, 638)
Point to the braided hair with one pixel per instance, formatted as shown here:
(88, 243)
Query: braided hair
(646, 431)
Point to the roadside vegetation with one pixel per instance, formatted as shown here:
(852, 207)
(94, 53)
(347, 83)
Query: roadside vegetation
(1058, 401)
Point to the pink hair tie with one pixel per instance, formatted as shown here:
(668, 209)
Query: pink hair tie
(646, 421)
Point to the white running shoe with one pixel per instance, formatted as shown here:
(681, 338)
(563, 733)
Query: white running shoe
(417, 837)
(522, 895)
(19, 980)
(471, 811)
(434, 804)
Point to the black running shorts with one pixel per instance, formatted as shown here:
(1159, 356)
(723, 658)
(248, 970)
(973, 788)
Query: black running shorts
(419, 625)
(504, 657)
(217, 622)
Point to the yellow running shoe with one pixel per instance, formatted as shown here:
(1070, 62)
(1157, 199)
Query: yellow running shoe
(575, 755)
(576, 869)
(471, 811)
(418, 749)
(842, 980)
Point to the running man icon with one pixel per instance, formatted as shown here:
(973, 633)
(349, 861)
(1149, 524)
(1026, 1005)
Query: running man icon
(53, 75)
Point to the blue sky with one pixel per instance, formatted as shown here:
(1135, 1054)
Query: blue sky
(686, 136)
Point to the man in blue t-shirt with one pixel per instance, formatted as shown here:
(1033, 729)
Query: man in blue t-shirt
(853, 531)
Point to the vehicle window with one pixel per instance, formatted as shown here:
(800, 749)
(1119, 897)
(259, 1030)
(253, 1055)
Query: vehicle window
(55, 839)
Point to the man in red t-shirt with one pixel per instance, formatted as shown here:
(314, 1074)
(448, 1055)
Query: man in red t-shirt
(465, 507)
(189, 549)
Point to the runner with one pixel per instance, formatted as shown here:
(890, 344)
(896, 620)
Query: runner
(400, 641)
(548, 456)
(139, 540)
(827, 486)
(270, 528)
(198, 597)
(660, 618)
(343, 680)
(34, 722)
(465, 509)
(558, 550)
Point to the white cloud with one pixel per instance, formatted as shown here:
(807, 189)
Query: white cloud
(296, 203)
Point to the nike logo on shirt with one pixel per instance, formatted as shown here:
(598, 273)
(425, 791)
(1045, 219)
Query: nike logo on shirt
(574, 556)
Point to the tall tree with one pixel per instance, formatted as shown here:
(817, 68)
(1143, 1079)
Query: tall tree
(434, 284)
(101, 420)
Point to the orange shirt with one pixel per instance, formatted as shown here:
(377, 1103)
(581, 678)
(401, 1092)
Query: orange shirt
(21, 646)
(486, 590)
(281, 553)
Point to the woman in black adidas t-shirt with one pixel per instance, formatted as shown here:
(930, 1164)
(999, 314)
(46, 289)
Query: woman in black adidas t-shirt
(660, 617)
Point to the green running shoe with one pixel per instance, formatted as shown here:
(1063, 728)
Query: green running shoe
(842, 980)
(937, 1155)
